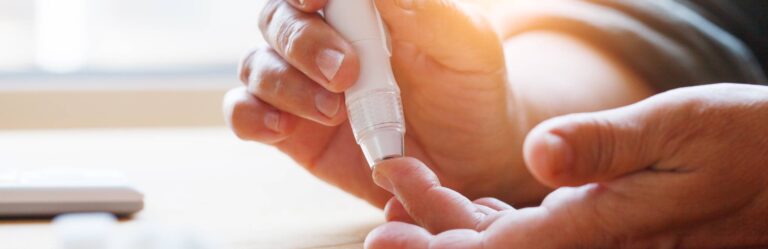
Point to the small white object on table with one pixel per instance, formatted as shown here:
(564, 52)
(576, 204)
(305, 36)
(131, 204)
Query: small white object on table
(244, 194)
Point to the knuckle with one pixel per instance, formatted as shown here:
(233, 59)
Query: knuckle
(291, 37)
(709, 114)
(691, 104)
(687, 101)
(270, 82)
(267, 72)
(231, 99)
(244, 70)
(244, 114)
(679, 117)
(267, 13)
(604, 153)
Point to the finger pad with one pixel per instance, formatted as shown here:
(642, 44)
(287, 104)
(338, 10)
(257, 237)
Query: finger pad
(538, 158)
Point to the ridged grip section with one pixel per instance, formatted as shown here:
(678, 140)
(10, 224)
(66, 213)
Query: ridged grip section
(376, 110)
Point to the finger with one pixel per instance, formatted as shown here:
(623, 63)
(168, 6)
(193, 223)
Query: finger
(569, 213)
(656, 134)
(310, 143)
(252, 119)
(332, 155)
(591, 216)
(276, 82)
(407, 236)
(592, 147)
(309, 6)
(310, 45)
(244, 69)
(435, 207)
(442, 27)
(493, 203)
(394, 211)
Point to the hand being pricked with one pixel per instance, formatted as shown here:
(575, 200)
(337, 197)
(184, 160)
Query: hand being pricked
(684, 169)
(426, 215)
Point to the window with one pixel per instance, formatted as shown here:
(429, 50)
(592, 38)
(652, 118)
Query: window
(121, 63)
(54, 37)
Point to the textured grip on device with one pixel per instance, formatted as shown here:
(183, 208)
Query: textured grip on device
(377, 110)
(377, 122)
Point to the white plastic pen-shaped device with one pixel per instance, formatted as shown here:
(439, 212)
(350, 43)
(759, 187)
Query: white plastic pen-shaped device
(373, 102)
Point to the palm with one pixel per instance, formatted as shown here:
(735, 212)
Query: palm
(458, 121)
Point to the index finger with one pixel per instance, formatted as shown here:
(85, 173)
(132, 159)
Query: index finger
(435, 207)
(310, 45)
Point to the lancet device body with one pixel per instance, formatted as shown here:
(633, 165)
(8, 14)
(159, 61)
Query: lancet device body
(373, 103)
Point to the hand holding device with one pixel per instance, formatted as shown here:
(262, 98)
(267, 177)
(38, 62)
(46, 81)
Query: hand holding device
(449, 66)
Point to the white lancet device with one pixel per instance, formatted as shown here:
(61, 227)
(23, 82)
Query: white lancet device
(373, 103)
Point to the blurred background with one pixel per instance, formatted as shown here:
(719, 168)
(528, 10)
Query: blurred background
(120, 63)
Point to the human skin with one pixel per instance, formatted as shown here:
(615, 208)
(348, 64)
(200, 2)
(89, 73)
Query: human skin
(683, 169)
(469, 99)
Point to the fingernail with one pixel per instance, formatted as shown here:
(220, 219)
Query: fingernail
(327, 103)
(272, 120)
(329, 61)
(383, 181)
(558, 151)
(405, 4)
(301, 2)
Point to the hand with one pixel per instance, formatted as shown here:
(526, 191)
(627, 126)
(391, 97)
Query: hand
(450, 67)
(683, 169)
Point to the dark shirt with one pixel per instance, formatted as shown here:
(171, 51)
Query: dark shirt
(670, 43)
(745, 19)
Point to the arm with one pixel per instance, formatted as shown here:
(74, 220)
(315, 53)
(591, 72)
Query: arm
(552, 74)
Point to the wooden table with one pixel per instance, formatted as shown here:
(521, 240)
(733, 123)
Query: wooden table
(242, 194)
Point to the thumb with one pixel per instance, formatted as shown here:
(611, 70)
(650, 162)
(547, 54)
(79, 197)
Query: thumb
(446, 30)
(576, 149)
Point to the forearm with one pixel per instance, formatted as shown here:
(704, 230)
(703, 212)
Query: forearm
(552, 74)
(667, 43)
